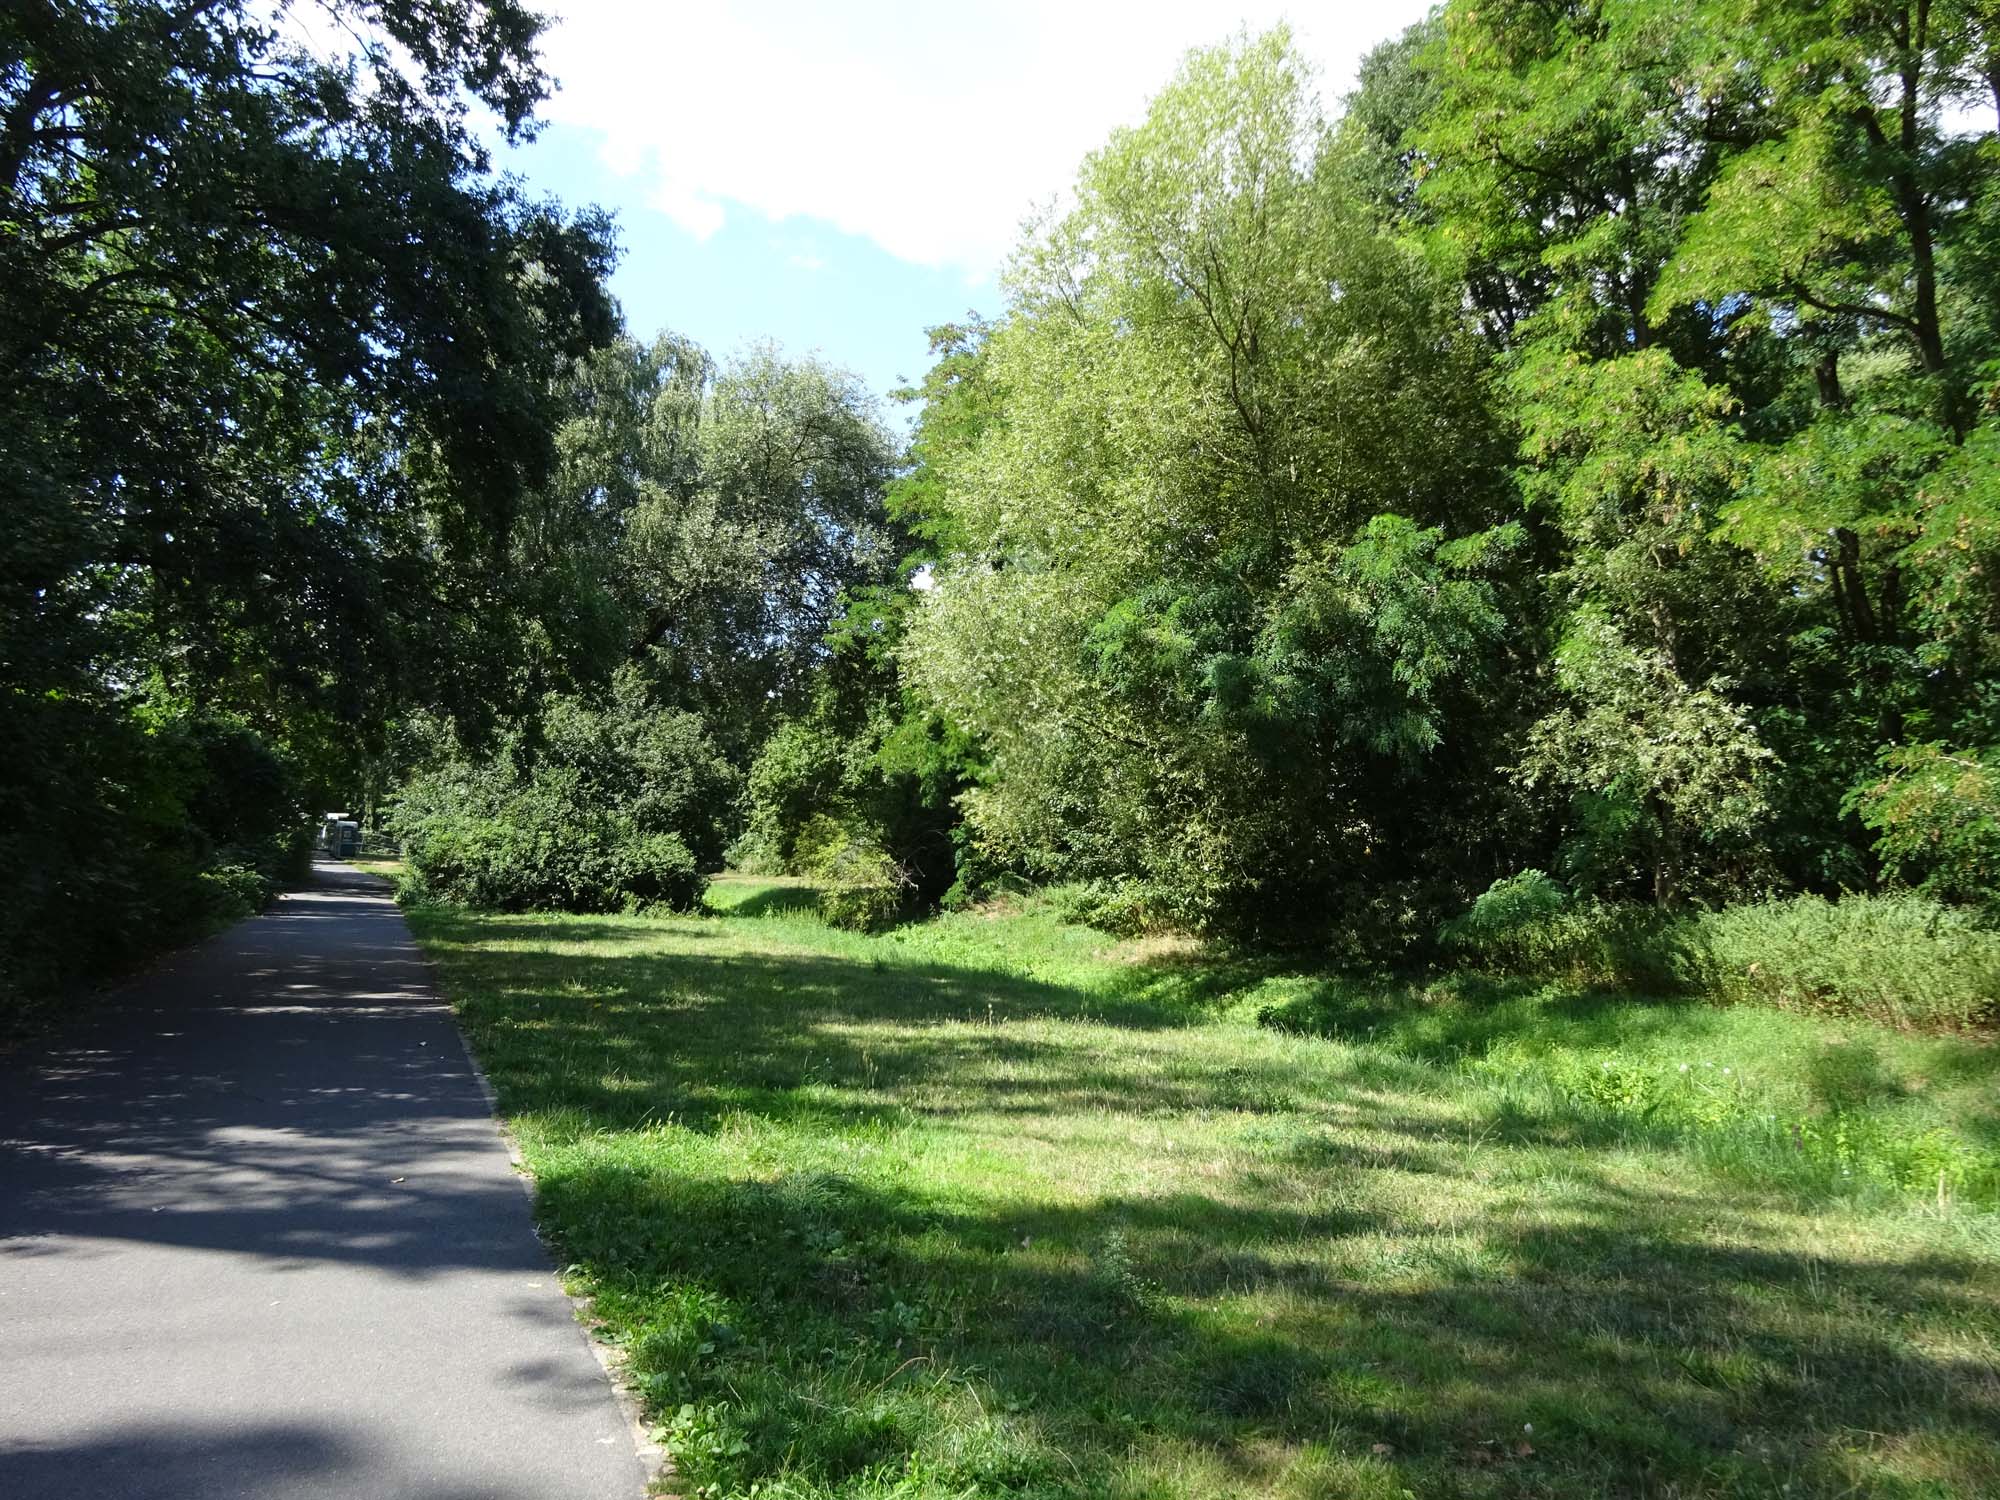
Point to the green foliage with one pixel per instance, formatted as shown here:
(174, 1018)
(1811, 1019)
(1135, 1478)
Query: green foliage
(590, 807)
(1528, 925)
(861, 887)
(1936, 815)
(1663, 776)
(231, 892)
(122, 832)
(1900, 959)
(869, 752)
(803, 768)
(1634, 467)
(703, 522)
(1220, 592)
(277, 357)
(1121, 907)
(278, 349)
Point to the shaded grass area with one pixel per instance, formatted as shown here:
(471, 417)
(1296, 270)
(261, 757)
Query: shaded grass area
(994, 1205)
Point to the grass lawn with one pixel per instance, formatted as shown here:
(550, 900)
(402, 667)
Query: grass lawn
(993, 1205)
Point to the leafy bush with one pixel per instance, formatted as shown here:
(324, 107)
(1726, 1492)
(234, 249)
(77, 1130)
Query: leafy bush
(1937, 814)
(1903, 959)
(232, 892)
(1122, 908)
(861, 887)
(1506, 923)
(803, 769)
(886, 767)
(127, 826)
(1527, 924)
(596, 808)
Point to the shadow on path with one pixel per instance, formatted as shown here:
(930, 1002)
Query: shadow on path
(262, 1180)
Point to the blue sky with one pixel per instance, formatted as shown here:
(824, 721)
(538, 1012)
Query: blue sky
(839, 176)
(802, 281)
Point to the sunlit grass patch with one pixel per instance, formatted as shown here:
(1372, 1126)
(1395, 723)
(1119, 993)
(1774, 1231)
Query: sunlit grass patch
(992, 1206)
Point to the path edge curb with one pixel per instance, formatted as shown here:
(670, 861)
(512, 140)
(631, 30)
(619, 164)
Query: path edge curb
(654, 1459)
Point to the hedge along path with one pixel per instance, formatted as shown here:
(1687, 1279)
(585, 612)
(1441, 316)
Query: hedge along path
(260, 1234)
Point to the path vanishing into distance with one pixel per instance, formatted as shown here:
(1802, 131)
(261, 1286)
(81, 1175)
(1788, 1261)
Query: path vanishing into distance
(260, 1236)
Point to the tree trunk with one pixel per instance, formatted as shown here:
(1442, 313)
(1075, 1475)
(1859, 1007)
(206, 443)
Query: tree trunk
(1849, 588)
(1914, 209)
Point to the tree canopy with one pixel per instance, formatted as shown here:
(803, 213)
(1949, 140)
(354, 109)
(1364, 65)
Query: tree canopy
(1576, 455)
(1565, 465)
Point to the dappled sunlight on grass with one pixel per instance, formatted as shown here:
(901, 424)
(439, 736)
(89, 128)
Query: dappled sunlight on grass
(990, 1205)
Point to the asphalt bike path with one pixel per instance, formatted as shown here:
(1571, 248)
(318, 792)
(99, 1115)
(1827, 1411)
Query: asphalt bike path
(260, 1236)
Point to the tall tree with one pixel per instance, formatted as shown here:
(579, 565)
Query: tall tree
(276, 359)
(1222, 553)
(274, 344)
(1745, 257)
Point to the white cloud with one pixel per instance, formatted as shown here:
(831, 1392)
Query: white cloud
(930, 129)
(699, 215)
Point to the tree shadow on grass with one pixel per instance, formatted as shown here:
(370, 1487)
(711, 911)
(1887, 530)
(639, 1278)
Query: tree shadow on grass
(858, 1314)
(774, 901)
(1476, 1015)
(646, 1036)
(1360, 1274)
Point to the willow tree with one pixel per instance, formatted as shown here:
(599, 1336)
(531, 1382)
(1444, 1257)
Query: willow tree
(1223, 548)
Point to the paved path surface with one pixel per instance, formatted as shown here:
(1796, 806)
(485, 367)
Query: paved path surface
(259, 1236)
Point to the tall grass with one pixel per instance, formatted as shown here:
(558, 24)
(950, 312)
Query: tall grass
(1901, 959)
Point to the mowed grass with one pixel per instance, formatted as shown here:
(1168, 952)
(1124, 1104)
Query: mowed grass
(997, 1206)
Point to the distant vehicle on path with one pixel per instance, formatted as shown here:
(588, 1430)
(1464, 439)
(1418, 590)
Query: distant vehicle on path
(339, 836)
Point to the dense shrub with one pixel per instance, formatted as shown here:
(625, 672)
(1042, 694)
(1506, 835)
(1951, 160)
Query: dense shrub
(232, 892)
(1529, 925)
(1903, 959)
(1506, 926)
(1936, 814)
(1122, 908)
(804, 769)
(861, 886)
(128, 826)
(891, 781)
(593, 808)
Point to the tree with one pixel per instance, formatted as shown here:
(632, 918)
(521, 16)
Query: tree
(1665, 779)
(274, 346)
(276, 351)
(705, 524)
(1222, 398)
(1737, 261)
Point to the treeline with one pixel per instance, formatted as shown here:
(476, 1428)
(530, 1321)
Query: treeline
(1557, 496)
(277, 354)
(1554, 497)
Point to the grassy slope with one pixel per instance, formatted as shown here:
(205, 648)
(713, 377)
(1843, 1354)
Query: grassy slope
(993, 1205)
